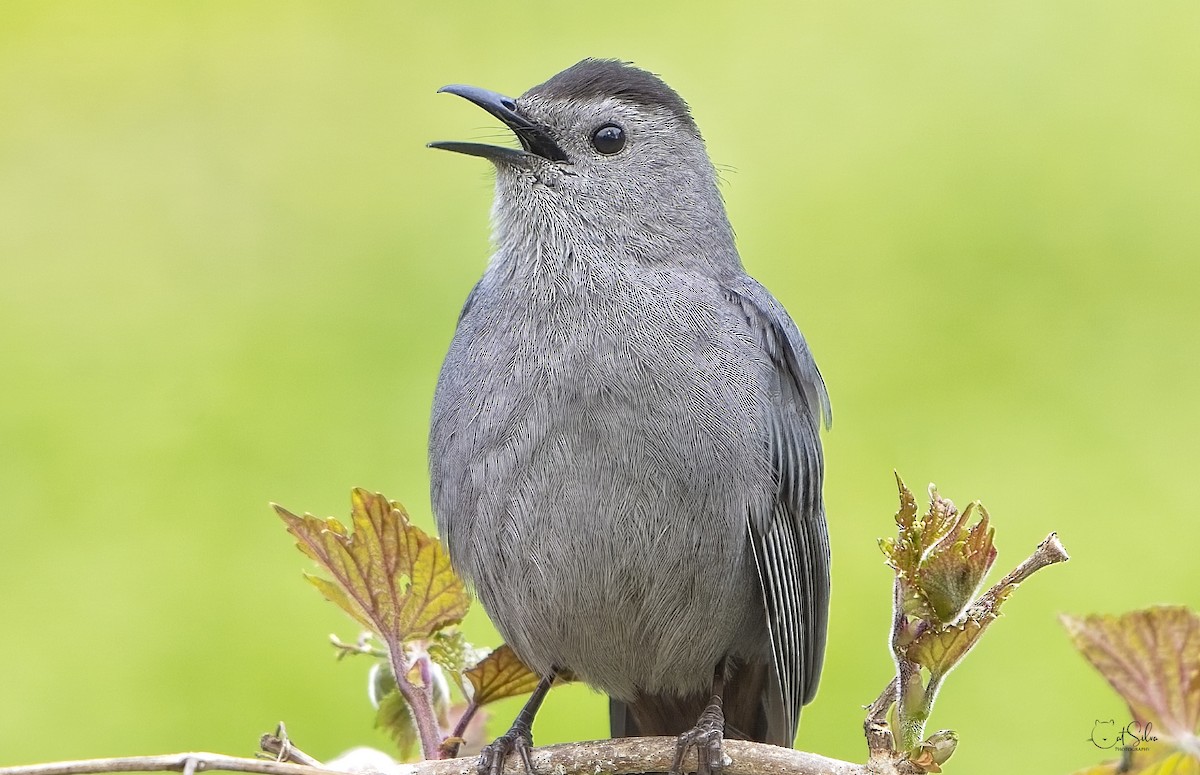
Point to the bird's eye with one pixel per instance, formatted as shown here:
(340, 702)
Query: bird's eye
(608, 139)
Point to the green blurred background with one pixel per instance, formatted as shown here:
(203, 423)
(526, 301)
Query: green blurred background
(229, 269)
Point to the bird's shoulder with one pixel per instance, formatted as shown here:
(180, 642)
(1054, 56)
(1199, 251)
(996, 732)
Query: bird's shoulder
(776, 333)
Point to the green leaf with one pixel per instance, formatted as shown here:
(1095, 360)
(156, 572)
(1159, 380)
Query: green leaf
(395, 718)
(939, 560)
(956, 565)
(388, 574)
(341, 598)
(1178, 763)
(904, 552)
(941, 519)
(1152, 659)
(938, 651)
(449, 648)
(932, 753)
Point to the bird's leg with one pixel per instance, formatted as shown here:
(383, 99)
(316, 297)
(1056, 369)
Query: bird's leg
(708, 734)
(519, 738)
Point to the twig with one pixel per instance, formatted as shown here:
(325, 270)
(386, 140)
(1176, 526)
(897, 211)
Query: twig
(360, 646)
(281, 747)
(1048, 552)
(880, 744)
(908, 674)
(452, 743)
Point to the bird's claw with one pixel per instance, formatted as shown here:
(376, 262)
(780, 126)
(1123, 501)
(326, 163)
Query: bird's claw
(707, 738)
(518, 740)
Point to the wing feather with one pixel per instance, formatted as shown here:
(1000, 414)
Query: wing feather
(787, 527)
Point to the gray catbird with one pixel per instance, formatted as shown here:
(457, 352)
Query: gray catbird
(624, 450)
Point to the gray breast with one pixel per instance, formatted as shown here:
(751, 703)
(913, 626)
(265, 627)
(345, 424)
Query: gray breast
(594, 450)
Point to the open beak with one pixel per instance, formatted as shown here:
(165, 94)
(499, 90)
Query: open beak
(534, 137)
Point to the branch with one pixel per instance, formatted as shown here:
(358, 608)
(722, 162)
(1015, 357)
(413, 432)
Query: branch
(172, 762)
(627, 756)
(279, 746)
(634, 755)
(880, 744)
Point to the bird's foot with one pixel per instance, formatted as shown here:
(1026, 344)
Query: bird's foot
(518, 740)
(706, 737)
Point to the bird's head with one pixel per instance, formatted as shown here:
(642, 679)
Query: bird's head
(610, 158)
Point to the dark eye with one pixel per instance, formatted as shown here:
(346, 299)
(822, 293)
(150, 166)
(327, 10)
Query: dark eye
(609, 138)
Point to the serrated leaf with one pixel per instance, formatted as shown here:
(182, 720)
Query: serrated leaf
(1152, 659)
(956, 565)
(337, 595)
(940, 650)
(395, 718)
(906, 515)
(904, 552)
(913, 601)
(941, 519)
(499, 675)
(388, 574)
(450, 650)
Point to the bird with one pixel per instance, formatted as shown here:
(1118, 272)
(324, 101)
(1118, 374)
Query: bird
(624, 452)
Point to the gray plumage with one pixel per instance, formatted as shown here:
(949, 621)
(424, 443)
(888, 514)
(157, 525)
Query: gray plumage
(624, 448)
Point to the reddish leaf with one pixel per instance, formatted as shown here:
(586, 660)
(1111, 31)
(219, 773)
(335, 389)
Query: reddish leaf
(938, 651)
(388, 574)
(939, 560)
(1152, 659)
(499, 675)
(954, 568)
(904, 551)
